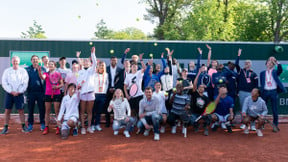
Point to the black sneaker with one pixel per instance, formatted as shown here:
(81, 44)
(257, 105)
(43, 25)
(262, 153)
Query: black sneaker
(4, 130)
(229, 129)
(214, 129)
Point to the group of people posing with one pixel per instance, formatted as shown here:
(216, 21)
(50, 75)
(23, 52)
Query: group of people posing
(141, 95)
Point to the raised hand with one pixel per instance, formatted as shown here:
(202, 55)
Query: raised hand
(239, 51)
(200, 51)
(127, 50)
(141, 56)
(78, 53)
(162, 54)
(208, 47)
(93, 50)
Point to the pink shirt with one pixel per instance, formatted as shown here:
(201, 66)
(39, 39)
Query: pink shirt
(52, 80)
(71, 78)
(211, 72)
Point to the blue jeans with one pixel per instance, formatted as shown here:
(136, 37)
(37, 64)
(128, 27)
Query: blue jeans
(242, 96)
(98, 108)
(117, 124)
(273, 96)
(153, 119)
(32, 98)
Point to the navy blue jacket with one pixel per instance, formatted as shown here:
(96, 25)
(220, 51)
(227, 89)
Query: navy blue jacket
(275, 75)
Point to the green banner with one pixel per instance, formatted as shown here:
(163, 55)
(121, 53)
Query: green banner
(25, 56)
(284, 75)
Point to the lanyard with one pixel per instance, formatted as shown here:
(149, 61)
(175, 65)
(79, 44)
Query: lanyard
(245, 71)
(268, 74)
(101, 86)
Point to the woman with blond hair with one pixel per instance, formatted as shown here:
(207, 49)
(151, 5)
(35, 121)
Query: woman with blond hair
(100, 89)
(122, 113)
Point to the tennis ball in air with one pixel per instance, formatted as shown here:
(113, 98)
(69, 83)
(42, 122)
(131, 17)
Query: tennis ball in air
(137, 19)
(111, 51)
(90, 43)
(155, 44)
(151, 55)
(220, 80)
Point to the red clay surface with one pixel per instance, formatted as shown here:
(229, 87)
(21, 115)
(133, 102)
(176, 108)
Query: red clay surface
(104, 146)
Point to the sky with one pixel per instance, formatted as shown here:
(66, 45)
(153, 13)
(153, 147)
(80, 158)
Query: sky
(70, 19)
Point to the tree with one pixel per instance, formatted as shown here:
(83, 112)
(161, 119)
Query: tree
(209, 20)
(163, 12)
(35, 31)
(278, 17)
(102, 31)
(252, 22)
(129, 33)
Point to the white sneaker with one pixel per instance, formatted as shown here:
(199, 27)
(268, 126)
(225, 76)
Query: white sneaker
(173, 130)
(90, 130)
(184, 131)
(98, 128)
(252, 127)
(116, 133)
(126, 133)
(93, 127)
(246, 130)
(162, 129)
(243, 126)
(259, 133)
(178, 123)
(223, 126)
(156, 137)
(146, 132)
(83, 131)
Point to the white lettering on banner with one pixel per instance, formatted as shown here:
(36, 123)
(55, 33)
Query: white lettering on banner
(283, 101)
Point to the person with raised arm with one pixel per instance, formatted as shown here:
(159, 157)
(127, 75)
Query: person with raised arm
(54, 82)
(198, 104)
(224, 110)
(100, 89)
(271, 85)
(86, 81)
(247, 81)
(14, 82)
(133, 86)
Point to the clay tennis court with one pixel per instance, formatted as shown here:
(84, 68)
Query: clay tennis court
(104, 146)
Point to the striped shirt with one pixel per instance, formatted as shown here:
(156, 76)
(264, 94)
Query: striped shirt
(178, 106)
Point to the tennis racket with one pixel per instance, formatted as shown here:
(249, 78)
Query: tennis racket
(275, 128)
(134, 88)
(210, 108)
(54, 79)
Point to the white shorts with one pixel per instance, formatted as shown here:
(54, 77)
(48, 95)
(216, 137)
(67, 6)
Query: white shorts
(66, 126)
(90, 96)
(222, 118)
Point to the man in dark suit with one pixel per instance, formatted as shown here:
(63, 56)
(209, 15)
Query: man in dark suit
(114, 82)
(270, 86)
